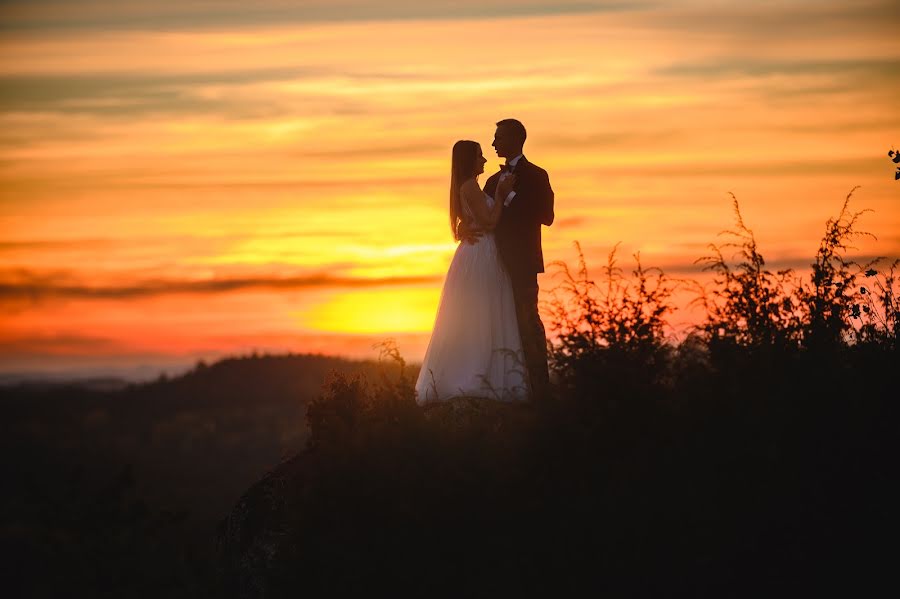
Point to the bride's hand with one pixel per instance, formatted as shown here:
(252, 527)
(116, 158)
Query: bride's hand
(506, 185)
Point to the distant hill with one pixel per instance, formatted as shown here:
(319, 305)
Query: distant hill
(40, 383)
(194, 440)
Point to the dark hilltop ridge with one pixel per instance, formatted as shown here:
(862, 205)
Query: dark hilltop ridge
(776, 485)
(750, 458)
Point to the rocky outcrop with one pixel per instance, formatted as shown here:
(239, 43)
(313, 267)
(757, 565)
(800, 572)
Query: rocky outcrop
(306, 508)
(251, 539)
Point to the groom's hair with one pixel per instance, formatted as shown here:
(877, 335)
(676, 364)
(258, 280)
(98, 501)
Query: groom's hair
(515, 126)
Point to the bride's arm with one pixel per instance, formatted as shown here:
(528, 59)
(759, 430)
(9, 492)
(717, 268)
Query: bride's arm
(475, 198)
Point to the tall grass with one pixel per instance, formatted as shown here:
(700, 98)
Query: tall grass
(611, 330)
(748, 307)
(604, 333)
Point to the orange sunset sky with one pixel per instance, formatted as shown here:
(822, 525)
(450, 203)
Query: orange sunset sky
(196, 179)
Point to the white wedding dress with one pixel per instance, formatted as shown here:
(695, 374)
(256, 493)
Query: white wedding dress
(475, 348)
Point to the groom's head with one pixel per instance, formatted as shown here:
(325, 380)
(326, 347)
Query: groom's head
(509, 138)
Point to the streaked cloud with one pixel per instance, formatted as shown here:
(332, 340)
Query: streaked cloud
(748, 67)
(62, 15)
(63, 344)
(783, 22)
(41, 286)
(127, 93)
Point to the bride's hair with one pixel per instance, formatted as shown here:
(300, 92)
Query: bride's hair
(465, 155)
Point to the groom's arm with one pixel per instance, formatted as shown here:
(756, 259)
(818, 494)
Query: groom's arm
(546, 200)
(540, 200)
(547, 197)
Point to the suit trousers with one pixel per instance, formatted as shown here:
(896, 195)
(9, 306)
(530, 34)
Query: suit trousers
(534, 339)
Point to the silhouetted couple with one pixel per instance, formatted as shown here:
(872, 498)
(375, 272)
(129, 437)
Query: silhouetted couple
(488, 340)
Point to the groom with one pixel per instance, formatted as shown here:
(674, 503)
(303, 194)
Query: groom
(518, 236)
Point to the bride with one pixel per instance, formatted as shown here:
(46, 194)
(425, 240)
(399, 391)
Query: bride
(475, 349)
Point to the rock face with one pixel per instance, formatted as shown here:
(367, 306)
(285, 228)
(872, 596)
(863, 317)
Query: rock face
(368, 501)
(251, 539)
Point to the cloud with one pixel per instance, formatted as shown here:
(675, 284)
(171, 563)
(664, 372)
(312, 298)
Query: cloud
(65, 15)
(867, 69)
(572, 221)
(36, 286)
(215, 88)
(66, 344)
(743, 22)
(195, 241)
(803, 80)
(121, 94)
(767, 168)
(58, 244)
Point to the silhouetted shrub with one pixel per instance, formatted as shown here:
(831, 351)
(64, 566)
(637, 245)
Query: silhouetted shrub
(608, 331)
(831, 296)
(876, 310)
(749, 309)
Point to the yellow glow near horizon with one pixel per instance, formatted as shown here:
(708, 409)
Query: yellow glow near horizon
(403, 310)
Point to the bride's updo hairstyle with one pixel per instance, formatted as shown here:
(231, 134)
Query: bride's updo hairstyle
(465, 155)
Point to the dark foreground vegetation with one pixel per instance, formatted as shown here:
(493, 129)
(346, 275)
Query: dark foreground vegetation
(751, 457)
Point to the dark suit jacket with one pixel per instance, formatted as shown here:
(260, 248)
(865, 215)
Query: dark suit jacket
(518, 233)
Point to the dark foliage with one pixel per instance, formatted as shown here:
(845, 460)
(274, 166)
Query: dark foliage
(750, 459)
(703, 489)
(612, 332)
(750, 310)
(832, 296)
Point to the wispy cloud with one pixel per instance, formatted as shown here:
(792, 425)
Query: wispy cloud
(726, 166)
(26, 285)
(65, 15)
(130, 93)
(749, 67)
(64, 344)
(781, 22)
